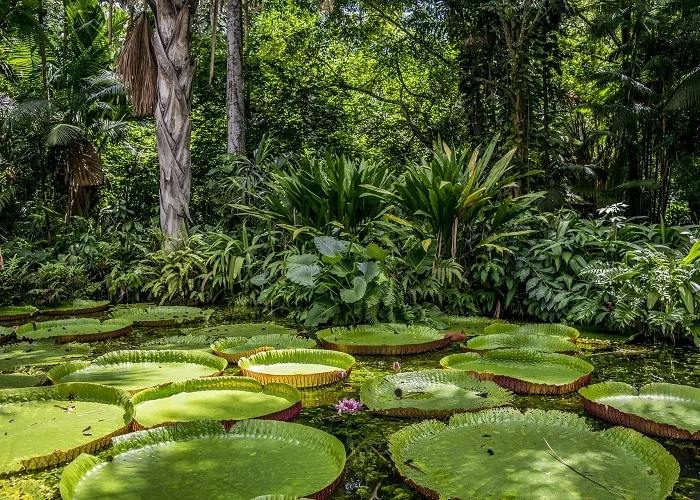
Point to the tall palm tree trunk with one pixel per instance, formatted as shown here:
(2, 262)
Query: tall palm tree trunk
(172, 43)
(235, 97)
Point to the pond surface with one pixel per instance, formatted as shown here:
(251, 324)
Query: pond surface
(369, 473)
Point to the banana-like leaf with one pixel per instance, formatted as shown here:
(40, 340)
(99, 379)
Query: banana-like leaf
(261, 456)
(502, 453)
(431, 394)
(383, 339)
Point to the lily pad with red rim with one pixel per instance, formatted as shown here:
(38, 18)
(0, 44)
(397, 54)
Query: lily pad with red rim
(525, 371)
(181, 342)
(246, 330)
(383, 339)
(162, 316)
(227, 399)
(552, 329)
(234, 348)
(76, 307)
(255, 457)
(542, 343)
(136, 370)
(44, 426)
(74, 330)
(14, 313)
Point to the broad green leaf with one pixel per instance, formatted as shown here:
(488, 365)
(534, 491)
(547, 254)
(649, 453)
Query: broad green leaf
(354, 294)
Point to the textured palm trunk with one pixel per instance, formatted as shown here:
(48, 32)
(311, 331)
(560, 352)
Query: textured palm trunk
(235, 97)
(172, 44)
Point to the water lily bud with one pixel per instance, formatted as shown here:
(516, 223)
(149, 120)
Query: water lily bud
(396, 367)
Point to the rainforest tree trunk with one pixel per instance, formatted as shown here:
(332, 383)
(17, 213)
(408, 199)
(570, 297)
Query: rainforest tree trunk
(173, 44)
(235, 97)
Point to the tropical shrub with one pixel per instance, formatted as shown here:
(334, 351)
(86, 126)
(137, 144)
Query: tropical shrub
(56, 282)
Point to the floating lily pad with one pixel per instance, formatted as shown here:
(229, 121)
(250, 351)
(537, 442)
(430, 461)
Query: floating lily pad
(6, 334)
(553, 329)
(137, 370)
(246, 330)
(298, 367)
(39, 354)
(254, 458)
(44, 426)
(431, 394)
(13, 313)
(525, 371)
(184, 342)
(503, 453)
(74, 330)
(77, 306)
(163, 315)
(542, 343)
(470, 325)
(234, 348)
(227, 399)
(383, 339)
(666, 410)
(28, 378)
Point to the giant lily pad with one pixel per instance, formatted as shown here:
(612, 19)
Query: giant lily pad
(137, 370)
(26, 378)
(227, 399)
(74, 330)
(163, 315)
(5, 334)
(39, 354)
(234, 348)
(298, 367)
(77, 306)
(256, 457)
(525, 371)
(503, 453)
(542, 343)
(666, 410)
(470, 325)
(44, 426)
(431, 394)
(246, 330)
(554, 329)
(384, 339)
(184, 342)
(13, 313)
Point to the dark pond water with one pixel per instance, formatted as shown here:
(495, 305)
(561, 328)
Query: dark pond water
(369, 472)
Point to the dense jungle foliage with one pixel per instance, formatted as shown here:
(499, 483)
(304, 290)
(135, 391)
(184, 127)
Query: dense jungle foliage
(407, 160)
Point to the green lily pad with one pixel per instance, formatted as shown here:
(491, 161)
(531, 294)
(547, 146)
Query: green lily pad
(227, 399)
(554, 329)
(184, 342)
(163, 315)
(254, 458)
(40, 354)
(470, 325)
(74, 330)
(525, 371)
(503, 453)
(298, 367)
(666, 410)
(6, 334)
(431, 394)
(137, 370)
(77, 306)
(44, 426)
(383, 339)
(234, 348)
(246, 330)
(29, 378)
(13, 313)
(542, 343)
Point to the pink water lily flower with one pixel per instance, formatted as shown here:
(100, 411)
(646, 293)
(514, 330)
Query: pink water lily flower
(346, 405)
(396, 367)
